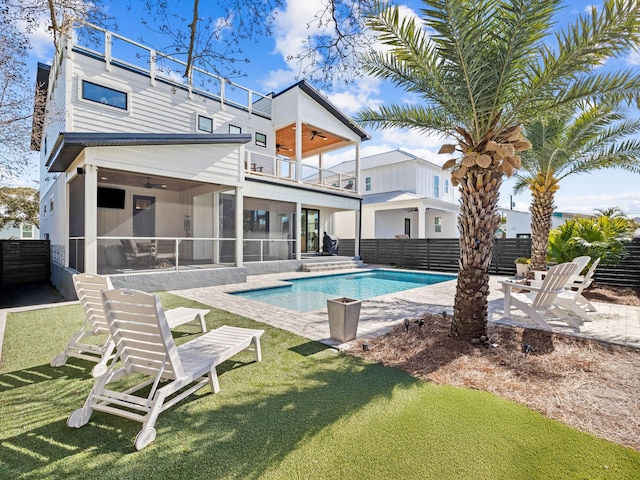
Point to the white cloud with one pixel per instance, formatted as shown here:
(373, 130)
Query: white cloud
(41, 41)
(360, 94)
(629, 202)
(633, 58)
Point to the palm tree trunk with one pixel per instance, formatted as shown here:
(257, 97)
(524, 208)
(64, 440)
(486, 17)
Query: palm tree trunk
(541, 211)
(477, 223)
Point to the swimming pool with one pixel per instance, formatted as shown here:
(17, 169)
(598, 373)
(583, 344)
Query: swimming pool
(306, 294)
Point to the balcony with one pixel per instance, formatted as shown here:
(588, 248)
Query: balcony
(116, 50)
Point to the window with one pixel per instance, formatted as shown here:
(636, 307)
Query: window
(261, 139)
(236, 129)
(438, 224)
(367, 184)
(106, 96)
(205, 124)
(51, 205)
(407, 227)
(446, 185)
(27, 230)
(45, 210)
(436, 186)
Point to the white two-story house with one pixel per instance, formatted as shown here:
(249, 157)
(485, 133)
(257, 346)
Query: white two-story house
(162, 181)
(402, 196)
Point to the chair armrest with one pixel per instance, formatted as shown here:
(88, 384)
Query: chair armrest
(532, 288)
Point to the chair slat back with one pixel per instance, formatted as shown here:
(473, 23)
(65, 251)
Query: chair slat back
(89, 289)
(581, 263)
(583, 282)
(141, 332)
(554, 281)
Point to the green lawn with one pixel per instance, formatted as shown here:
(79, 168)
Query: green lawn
(305, 412)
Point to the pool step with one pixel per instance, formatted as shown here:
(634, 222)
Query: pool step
(328, 265)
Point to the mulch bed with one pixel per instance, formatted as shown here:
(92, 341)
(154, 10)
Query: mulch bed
(585, 384)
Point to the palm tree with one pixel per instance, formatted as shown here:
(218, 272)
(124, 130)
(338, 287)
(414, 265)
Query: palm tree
(479, 68)
(609, 212)
(595, 139)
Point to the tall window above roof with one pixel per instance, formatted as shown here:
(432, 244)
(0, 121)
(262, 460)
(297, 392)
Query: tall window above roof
(104, 95)
(367, 184)
(436, 186)
(446, 185)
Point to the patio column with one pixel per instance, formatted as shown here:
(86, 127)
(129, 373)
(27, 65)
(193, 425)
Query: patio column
(216, 227)
(298, 231)
(357, 179)
(356, 253)
(299, 151)
(90, 219)
(239, 221)
(422, 221)
(320, 173)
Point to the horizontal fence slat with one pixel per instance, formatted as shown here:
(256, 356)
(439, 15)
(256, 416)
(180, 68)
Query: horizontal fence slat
(24, 261)
(442, 254)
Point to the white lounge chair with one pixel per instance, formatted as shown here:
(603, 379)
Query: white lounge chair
(145, 346)
(537, 301)
(89, 289)
(573, 300)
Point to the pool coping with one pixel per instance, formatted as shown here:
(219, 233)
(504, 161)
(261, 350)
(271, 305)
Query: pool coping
(286, 282)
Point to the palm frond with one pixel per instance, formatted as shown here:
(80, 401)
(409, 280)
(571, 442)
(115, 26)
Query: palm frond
(426, 120)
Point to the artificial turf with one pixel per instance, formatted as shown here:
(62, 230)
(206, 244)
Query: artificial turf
(304, 412)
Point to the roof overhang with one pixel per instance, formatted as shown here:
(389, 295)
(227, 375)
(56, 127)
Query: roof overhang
(330, 107)
(70, 144)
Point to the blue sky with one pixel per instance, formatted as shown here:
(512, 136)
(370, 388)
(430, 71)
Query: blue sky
(269, 71)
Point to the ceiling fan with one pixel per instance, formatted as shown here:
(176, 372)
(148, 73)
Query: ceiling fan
(153, 185)
(280, 146)
(316, 133)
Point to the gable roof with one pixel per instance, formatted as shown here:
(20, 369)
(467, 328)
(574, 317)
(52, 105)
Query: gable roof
(330, 107)
(395, 196)
(69, 144)
(379, 160)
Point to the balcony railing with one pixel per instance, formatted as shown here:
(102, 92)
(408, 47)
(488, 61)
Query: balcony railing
(117, 255)
(117, 50)
(283, 168)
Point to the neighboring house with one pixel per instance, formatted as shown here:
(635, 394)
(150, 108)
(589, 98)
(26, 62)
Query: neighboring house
(402, 195)
(517, 224)
(26, 231)
(199, 174)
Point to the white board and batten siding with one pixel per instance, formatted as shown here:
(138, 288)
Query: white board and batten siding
(219, 164)
(295, 103)
(304, 196)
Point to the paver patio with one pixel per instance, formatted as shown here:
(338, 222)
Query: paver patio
(617, 324)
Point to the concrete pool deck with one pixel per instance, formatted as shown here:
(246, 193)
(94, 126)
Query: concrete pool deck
(616, 324)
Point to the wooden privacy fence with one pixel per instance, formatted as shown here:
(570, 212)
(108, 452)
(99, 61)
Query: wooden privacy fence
(24, 261)
(442, 255)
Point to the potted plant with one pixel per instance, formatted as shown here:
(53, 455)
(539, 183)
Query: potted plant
(344, 314)
(522, 266)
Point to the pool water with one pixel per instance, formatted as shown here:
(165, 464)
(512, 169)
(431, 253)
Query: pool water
(306, 294)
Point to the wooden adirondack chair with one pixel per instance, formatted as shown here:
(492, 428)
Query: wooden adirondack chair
(538, 301)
